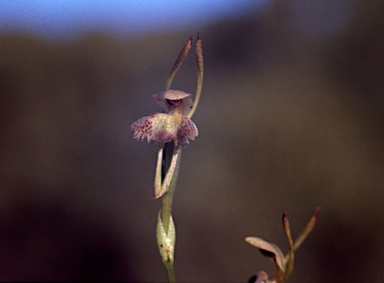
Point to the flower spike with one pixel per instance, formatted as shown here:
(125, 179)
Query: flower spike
(172, 130)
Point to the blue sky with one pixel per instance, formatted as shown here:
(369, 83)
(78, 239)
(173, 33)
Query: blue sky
(61, 18)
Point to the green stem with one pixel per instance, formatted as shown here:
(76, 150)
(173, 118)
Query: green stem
(170, 272)
(166, 234)
(170, 151)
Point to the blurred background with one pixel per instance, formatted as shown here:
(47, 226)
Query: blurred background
(291, 118)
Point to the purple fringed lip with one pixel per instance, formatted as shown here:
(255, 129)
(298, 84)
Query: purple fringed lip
(162, 127)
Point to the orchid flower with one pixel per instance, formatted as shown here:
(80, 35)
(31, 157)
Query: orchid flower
(174, 126)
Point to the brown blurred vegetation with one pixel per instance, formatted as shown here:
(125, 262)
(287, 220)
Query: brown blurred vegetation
(285, 122)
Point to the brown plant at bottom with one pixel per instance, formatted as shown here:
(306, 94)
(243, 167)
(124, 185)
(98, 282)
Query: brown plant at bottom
(283, 264)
